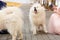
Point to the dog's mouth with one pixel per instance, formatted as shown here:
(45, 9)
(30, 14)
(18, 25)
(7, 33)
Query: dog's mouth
(35, 10)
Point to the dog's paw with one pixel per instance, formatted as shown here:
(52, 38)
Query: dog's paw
(46, 31)
(20, 38)
(34, 33)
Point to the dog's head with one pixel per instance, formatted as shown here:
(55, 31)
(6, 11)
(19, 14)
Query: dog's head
(36, 8)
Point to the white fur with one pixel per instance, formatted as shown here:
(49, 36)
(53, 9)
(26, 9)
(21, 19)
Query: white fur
(11, 19)
(37, 19)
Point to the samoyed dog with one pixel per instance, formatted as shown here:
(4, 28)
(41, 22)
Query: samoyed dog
(37, 18)
(11, 18)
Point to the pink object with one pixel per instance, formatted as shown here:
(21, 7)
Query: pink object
(54, 24)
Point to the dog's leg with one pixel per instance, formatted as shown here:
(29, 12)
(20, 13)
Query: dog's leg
(34, 30)
(20, 35)
(44, 28)
(14, 35)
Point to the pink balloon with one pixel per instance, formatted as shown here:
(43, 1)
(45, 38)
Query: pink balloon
(54, 24)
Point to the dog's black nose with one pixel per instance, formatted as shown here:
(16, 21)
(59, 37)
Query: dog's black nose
(35, 9)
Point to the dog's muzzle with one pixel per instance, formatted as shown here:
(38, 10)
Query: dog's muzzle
(35, 10)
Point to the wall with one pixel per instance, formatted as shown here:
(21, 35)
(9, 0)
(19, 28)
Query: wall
(19, 1)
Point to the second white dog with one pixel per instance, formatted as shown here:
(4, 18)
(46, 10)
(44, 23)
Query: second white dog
(37, 17)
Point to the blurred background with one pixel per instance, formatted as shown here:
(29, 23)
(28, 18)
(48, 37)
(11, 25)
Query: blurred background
(46, 3)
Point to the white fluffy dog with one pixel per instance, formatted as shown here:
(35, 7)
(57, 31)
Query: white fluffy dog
(11, 19)
(37, 18)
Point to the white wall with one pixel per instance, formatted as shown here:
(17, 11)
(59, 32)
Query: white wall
(57, 2)
(19, 1)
